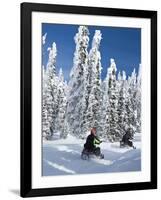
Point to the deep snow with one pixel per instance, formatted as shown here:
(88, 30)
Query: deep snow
(62, 157)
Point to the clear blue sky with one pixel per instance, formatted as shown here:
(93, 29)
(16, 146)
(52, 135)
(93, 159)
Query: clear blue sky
(122, 44)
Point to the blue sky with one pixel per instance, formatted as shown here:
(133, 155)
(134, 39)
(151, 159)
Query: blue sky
(122, 44)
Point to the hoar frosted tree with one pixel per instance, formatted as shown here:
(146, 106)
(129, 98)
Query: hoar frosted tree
(138, 101)
(76, 99)
(131, 102)
(93, 82)
(49, 100)
(60, 124)
(121, 107)
(112, 114)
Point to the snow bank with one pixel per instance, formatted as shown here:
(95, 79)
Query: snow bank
(62, 157)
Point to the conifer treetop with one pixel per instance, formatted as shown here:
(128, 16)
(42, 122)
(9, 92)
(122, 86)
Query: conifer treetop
(97, 39)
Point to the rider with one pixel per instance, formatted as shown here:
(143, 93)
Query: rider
(92, 141)
(128, 137)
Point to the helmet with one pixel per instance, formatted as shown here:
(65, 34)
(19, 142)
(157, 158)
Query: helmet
(93, 130)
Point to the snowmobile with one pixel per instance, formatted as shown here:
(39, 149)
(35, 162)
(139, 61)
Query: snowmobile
(127, 139)
(128, 144)
(86, 154)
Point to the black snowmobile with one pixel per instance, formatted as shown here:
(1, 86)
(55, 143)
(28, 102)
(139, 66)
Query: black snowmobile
(86, 154)
(127, 140)
(91, 148)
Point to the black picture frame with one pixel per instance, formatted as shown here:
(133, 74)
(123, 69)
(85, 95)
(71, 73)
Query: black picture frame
(26, 103)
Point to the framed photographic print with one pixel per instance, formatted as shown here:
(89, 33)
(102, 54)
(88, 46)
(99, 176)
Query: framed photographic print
(88, 99)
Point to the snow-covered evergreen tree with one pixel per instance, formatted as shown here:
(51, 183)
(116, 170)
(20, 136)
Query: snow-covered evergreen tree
(76, 99)
(138, 101)
(43, 49)
(61, 123)
(44, 38)
(45, 123)
(131, 106)
(49, 104)
(46, 120)
(113, 133)
(121, 107)
(93, 82)
(103, 121)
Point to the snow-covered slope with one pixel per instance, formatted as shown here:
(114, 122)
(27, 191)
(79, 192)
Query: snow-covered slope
(62, 156)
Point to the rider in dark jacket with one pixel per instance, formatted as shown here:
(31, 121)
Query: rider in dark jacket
(92, 141)
(127, 138)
